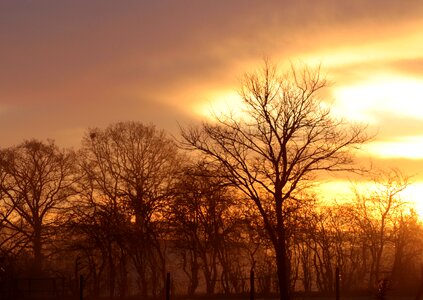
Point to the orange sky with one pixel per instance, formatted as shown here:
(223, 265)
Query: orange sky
(72, 64)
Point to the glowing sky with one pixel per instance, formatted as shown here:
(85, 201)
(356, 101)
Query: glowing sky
(72, 64)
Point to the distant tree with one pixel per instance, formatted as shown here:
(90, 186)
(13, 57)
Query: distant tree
(376, 214)
(203, 220)
(284, 137)
(258, 248)
(408, 244)
(130, 167)
(36, 183)
(326, 242)
(302, 230)
(99, 238)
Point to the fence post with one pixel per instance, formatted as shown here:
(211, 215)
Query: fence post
(337, 285)
(168, 286)
(81, 287)
(252, 285)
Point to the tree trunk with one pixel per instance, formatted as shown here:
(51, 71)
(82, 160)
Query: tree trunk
(195, 267)
(37, 248)
(281, 254)
(112, 273)
(123, 285)
(282, 270)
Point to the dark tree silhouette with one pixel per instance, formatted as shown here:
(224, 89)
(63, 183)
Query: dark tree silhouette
(36, 182)
(131, 167)
(284, 137)
(203, 217)
(376, 213)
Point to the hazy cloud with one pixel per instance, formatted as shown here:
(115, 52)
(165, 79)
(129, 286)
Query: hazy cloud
(71, 64)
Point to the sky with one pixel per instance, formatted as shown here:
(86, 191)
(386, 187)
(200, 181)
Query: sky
(69, 65)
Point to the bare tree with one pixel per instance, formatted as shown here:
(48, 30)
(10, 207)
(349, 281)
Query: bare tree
(202, 220)
(99, 234)
(408, 245)
(284, 137)
(377, 213)
(36, 181)
(131, 167)
(327, 242)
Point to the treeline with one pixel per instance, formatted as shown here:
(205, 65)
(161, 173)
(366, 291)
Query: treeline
(130, 205)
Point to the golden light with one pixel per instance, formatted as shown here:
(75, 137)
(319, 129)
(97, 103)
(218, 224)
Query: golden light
(414, 194)
(336, 190)
(380, 93)
(405, 147)
(222, 102)
(342, 191)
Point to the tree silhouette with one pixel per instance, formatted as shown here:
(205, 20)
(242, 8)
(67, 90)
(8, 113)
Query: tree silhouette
(36, 183)
(376, 213)
(131, 166)
(203, 219)
(284, 137)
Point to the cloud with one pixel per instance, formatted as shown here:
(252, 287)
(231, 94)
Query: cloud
(393, 126)
(412, 67)
(71, 63)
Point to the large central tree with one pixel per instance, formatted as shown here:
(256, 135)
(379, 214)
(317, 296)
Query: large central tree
(273, 149)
